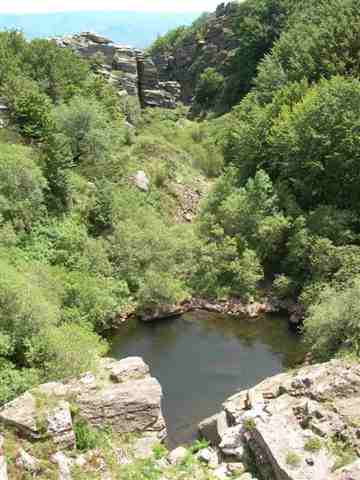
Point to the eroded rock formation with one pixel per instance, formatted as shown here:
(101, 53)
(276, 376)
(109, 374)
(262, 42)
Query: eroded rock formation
(212, 45)
(128, 69)
(302, 425)
(122, 395)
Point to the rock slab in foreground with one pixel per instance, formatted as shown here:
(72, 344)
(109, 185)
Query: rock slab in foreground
(279, 419)
(134, 405)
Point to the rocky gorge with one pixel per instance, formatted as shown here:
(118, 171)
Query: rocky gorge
(155, 261)
(212, 45)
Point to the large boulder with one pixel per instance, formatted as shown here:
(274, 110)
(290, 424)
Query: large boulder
(288, 421)
(133, 406)
(34, 415)
(130, 368)
(121, 394)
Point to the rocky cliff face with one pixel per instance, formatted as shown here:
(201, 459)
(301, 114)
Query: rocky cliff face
(302, 425)
(121, 396)
(210, 45)
(128, 69)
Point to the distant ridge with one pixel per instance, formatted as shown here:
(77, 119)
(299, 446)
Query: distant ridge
(138, 29)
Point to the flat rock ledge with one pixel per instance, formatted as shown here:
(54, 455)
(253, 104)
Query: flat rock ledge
(302, 425)
(121, 394)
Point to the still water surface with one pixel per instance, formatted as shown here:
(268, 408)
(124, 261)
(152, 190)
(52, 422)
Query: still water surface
(202, 358)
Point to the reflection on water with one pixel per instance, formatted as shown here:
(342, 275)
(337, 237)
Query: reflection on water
(202, 358)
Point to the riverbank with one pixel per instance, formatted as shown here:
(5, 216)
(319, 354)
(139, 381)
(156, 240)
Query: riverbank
(231, 306)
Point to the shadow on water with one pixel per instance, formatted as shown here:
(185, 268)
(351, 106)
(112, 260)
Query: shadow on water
(202, 358)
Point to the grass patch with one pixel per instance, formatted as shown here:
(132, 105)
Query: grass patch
(313, 444)
(344, 453)
(249, 424)
(293, 459)
(199, 445)
(86, 437)
(159, 451)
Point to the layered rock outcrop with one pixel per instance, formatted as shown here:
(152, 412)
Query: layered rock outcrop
(122, 395)
(128, 69)
(212, 44)
(302, 425)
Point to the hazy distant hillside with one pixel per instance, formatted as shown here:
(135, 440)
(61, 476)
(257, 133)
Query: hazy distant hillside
(133, 28)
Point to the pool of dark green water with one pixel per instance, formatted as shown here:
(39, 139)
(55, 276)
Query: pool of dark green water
(202, 358)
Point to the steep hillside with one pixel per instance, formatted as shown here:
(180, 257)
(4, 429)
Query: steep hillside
(215, 59)
(185, 53)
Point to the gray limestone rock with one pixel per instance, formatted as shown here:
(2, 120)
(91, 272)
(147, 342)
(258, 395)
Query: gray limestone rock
(130, 368)
(127, 69)
(276, 418)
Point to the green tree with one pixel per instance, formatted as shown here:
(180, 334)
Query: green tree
(58, 352)
(321, 42)
(333, 323)
(209, 85)
(315, 145)
(28, 307)
(87, 127)
(257, 25)
(22, 187)
(30, 108)
(59, 72)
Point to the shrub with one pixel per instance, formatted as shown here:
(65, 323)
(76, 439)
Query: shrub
(313, 444)
(332, 324)
(59, 351)
(151, 256)
(208, 87)
(293, 459)
(199, 445)
(59, 72)
(15, 381)
(91, 136)
(86, 437)
(29, 107)
(22, 187)
(304, 49)
(93, 300)
(282, 286)
(249, 424)
(29, 305)
(160, 451)
(343, 452)
(326, 119)
(257, 25)
(160, 288)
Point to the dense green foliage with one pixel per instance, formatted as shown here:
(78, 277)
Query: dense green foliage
(80, 244)
(294, 142)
